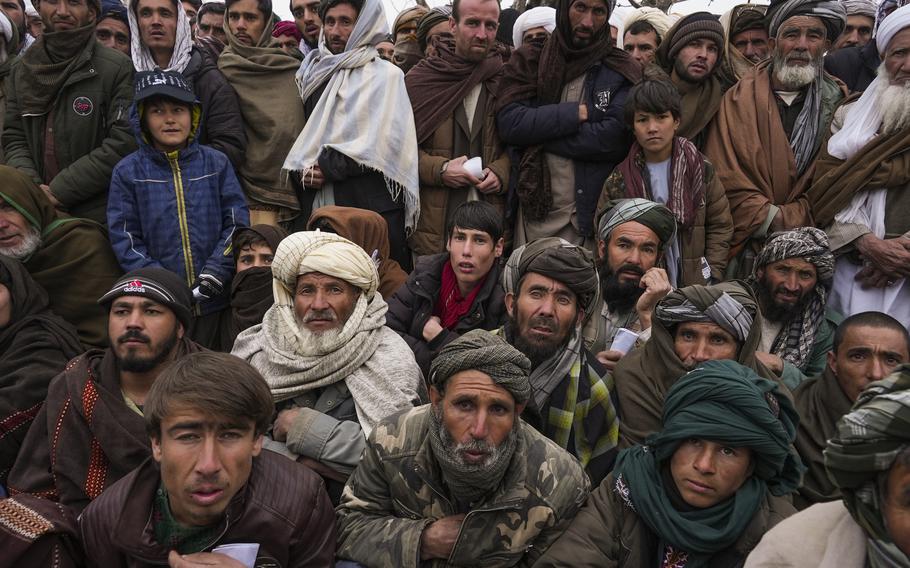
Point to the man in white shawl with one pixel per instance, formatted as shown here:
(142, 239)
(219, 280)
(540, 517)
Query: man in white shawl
(861, 190)
(359, 146)
(333, 367)
(160, 38)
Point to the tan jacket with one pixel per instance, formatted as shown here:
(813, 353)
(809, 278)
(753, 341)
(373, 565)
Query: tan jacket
(451, 140)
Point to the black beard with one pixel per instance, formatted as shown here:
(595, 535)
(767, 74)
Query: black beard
(773, 310)
(134, 364)
(620, 297)
(537, 352)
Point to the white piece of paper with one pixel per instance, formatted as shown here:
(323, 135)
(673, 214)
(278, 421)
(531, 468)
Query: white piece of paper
(242, 552)
(624, 341)
(474, 166)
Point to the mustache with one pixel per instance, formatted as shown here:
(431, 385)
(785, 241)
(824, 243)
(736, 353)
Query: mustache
(631, 268)
(543, 321)
(134, 334)
(326, 314)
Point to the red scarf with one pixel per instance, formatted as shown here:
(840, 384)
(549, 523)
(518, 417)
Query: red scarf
(450, 306)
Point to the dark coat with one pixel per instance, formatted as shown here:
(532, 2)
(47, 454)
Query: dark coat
(596, 146)
(291, 532)
(222, 121)
(413, 304)
(855, 66)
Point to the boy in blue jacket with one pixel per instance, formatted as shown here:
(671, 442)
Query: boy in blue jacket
(175, 203)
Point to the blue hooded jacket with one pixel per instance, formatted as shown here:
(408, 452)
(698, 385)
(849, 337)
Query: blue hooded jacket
(176, 210)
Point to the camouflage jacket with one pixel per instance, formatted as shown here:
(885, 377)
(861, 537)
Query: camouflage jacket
(397, 490)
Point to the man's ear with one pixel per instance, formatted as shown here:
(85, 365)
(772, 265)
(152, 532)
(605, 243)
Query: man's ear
(601, 248)
(519, 409)
(452, 24)
(156, 446)
(500, 244)
(832, 361)
(580, 317)
(827, 44)
(435, 395)
(510, 303)
(257, 444)
(772, 43)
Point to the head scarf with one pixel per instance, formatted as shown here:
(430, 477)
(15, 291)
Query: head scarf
(749, 17)
(368, 230)
(287, 28)
(430, 20)
(831, 13)
(700, 25)
(540, 17)
(326, 253)
(557, 259)
(885, 8)
(859, 457)
(651, 214)
(183, 43)
(656, 17)
(725, 402)
(251, 289)
(864, 118)
(866, 8)
(414, 13)
(480, 350)
(795, 341)
(707, 304)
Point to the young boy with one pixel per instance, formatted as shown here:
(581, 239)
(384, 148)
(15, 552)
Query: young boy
(174, 203)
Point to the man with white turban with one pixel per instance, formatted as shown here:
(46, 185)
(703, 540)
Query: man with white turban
(858, 66)
(860, 22)
(860, 193)
(333, 367)
(643, 31)
(536, 23)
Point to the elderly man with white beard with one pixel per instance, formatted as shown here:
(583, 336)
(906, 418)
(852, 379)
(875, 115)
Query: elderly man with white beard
(333, 367)
(765, 137)
(861, 190)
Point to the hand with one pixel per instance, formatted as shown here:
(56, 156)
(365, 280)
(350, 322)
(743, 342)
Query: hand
(50, 196)
(774, 363)
(438, 539)
(313, 178)
(432, 328)
(283, 424)
(490, 183)
(210, 286)
(456, 176)
(889, 256)
(656, 285)
(609, 358)
(871, 277)
(175, 560)
(582, 112)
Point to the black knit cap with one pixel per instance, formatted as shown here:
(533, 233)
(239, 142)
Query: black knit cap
(158, 284)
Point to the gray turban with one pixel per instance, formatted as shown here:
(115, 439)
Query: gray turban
(557, 259)
(866, 8)
(831, 12)
(480, 350)
(807, 243)
(651, 214)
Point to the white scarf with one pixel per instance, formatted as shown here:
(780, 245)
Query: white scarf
(364, 112)
(183, 45)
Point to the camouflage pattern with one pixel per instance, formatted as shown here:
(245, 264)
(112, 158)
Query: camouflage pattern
(397, 490)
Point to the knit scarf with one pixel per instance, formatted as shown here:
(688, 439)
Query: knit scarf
(687, 179)
(469, 483)
(183, 43)
(47, 65)
(450, 305)
(251, 297)
(438, 84)
(364, 106)
(805, 139)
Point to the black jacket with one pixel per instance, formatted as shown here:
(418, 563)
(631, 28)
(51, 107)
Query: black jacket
(412, 306)
(855, 66)
(222, 122)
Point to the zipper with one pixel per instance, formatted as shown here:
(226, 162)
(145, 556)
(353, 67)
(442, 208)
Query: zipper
(501, 507)
(181, 218)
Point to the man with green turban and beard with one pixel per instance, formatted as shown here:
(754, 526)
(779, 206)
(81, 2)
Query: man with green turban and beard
(703, 490)
(551, 286)
(462, 481)
(690, 326)
(868, 459)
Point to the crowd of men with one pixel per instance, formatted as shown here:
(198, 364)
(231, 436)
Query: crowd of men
(574, 285)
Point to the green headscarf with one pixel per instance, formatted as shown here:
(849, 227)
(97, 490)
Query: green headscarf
(859, 457)
(725, 402)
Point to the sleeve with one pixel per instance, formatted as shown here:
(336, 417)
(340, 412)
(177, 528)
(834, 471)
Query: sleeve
(603, 137)
(15, 145)
(95, 534)
(336, 443)
(593, 536)
(502, 166)
(90, 175)
(316, 543)
(32, 471)
(234, 215)
(336, 166)
(124, 228)
(718, 225)
(224, 124)
(522, 125)
(369, 530)
(400, 319)
(429, 168)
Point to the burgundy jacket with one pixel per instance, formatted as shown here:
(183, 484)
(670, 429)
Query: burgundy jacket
(284, 507)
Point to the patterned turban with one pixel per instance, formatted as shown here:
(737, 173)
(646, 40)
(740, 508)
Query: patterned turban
(651, 214)
(831, 12)
(557, 259)
(482, 351)
(721, 304)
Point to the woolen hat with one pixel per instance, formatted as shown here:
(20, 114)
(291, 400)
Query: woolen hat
(158, 284)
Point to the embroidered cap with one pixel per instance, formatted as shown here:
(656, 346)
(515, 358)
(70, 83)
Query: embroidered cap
(160, 83)
(158, 284)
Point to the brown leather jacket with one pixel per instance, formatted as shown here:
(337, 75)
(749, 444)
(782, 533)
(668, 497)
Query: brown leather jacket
(283, 507)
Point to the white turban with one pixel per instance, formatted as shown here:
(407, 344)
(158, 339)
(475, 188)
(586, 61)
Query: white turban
(327, 253)
(540, 17)
(657, 18)
(888, 28)
(860, 8)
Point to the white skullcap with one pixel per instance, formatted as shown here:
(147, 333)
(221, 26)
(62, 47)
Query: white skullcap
(326, 253)
(542, 16)
(888, 28)
(654, 16)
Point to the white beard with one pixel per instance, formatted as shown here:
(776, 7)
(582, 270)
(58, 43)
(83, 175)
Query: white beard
(316, 344)
(29, 244)
(795, 77)
(894, 101)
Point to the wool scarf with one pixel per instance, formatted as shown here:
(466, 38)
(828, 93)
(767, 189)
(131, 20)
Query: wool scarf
(451, 306)
(48, 64)
(687, 179)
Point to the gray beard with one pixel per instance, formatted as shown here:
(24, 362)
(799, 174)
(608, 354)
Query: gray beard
(794, 77)
(319, 343)
(27, 247)
(895, 104)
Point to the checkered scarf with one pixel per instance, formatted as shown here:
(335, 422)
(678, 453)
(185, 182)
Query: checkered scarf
(795, 341)
(859, 457)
